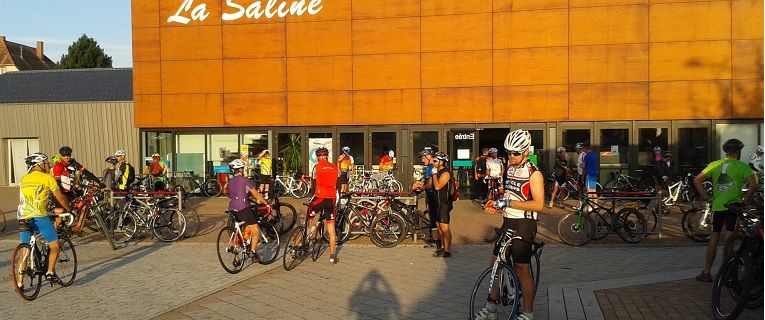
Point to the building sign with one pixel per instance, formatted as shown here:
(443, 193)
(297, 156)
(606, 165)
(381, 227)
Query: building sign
(234, 10)
(464, 136)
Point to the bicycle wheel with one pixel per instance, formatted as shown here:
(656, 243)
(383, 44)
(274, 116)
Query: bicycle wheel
(231, 250)
(294, 249)
(731, 287)
(168, 225)
(342, 230)
(601, 227)
(123, 226)
(395, 186)
(319, 244)
(103, 226)
(631, 225)
(212, 188)
(66, 263)
(506, 289)
(693, 226)
(284, 217)
(192, 223)
(90, 221)
(388, 230)
(576, 229)
(268, 248)
(25, 282)
(652, 220)
(300, 189)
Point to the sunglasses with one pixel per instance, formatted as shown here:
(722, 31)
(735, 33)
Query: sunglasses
(515, 153)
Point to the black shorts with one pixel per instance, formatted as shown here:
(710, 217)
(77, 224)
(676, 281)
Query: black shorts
(265, 178)
(444, 212)
(520, 250)
(560, 178)
(343, 179)
(432, 201)
(247, 215)
(324, 207)
(720, 218)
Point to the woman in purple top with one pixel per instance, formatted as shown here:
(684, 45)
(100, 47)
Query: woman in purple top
(239, 189)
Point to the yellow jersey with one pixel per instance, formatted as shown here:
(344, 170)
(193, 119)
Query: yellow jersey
(34, 190)
(265, 166)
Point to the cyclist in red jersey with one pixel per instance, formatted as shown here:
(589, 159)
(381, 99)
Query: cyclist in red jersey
(325, 176)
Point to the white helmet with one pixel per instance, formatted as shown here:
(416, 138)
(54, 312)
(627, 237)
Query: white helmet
(759, 148)
(236, 164)
(560, 149)
(119, 153)
(518, 140)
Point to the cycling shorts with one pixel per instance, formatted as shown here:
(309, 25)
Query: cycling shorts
(265, 178)
(432, 201)
(720, 218)
(520, 250)
(323, 206)
(343, 179)
(560, 178)
(591, 182)
(444, 212)
(44, 225)
(247, 215)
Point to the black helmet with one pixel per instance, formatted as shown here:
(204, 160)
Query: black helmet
(733, 145)
(65, 151)
(442, 156)
(111, 159)
(322, 152)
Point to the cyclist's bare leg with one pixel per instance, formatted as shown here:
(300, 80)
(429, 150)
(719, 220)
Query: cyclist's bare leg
(714, 239)
(330, 228)
(255, 236)
(446, 236)
(344, 188)
(22, 265)
(554, 193)
(53, 257)
(527, 285)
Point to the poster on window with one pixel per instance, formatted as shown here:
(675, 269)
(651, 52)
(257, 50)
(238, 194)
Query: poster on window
(313, 144)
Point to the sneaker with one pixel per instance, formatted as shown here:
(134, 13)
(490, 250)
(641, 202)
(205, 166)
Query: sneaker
(439, 253)
(485, 314)
(255, 258)
(430, 244)
(525, 316)
(446, 254)
(52, 277)
(333, 260)
(704, 277)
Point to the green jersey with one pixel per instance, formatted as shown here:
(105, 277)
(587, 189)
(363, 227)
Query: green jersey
(728, 177)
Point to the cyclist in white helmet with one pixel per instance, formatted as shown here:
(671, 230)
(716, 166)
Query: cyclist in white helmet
(755, 161)
(240, 188)
(523, 198)
(560, 173)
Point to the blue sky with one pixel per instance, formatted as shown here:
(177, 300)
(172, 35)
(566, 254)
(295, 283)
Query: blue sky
(59, 23)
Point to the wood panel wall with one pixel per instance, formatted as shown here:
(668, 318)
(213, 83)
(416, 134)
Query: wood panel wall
(372, 62)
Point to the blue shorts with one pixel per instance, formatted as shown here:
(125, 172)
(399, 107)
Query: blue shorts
(44, 225)
(590, 182)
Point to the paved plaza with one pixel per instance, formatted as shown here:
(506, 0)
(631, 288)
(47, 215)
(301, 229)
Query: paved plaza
(183, 280)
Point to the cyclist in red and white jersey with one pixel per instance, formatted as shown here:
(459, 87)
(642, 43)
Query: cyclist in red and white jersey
(523, 198)
(325, 176)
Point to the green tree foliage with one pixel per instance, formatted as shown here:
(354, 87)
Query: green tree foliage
(83, 54)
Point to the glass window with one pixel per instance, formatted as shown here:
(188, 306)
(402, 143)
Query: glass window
(382, 142)
(354, 140)
(256, 143)
(290, 152)
(537, 141)
(573, 136)
(158, 142)
(462, 145)
(222, 149)
(190, 153)
(315, 141)
(420, 141)
(649, 138)
(617, 140)
(692, 149)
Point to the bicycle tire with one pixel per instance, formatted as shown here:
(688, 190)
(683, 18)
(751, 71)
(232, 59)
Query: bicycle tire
(652, 220)
(692, 226)
(581, 230)
(192, 223)
(90, 222)
(342, 230)
(294, 254)
(300, 190)
(168, 225)
(732, 245)
(631, 226)
(212, 188)
(734, 278)
(229, 251)
(31, 282)
(124, 226)
(388, 229)
(507, 282)
(268, 248)
(104, 229)
(601, 228)
(66, 262)
(319, 244)
(285, 217)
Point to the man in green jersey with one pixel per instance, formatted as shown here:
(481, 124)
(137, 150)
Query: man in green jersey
(728, 176)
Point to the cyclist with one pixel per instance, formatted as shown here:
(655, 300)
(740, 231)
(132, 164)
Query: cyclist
(325, 176)
(494, 170)
(480, 174)
(579, 146)
(755, 161)
(591, 171)
(523, 198)
(386, 160)
(34, 190)
(728, 176)
(264, 158)
(663, 172)
(440, 180)
(426, 156)
(157, 170)
(561, 173)
(345, 163)
(65, 172)
(108, 175)
(125, 172)
(239, 190)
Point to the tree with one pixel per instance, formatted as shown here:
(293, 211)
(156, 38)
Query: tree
(83, 54)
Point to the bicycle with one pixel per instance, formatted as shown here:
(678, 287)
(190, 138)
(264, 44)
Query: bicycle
(697, 223)
(628, 223)
(624, 182)
(189, 182)
(502, 279)
(166, 224)
(385, 227)
(282, 215)
(30, 262)
(304, 242)
(738, 283)
(416, 223)
(388, 183)
(232, 242)
(297, 186)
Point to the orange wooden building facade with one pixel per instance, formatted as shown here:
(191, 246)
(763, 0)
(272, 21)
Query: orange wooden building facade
(372, 62)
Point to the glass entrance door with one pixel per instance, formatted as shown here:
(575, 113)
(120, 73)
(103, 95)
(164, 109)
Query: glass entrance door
(463, 150)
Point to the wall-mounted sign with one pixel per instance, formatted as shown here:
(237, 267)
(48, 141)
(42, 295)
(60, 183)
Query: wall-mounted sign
(255, 10)
(464, 136)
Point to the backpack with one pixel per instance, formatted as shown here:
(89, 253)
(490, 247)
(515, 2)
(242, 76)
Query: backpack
(155, 168)
(454, 190)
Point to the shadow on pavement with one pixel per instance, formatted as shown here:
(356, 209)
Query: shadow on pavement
(94, 271)
(375, 296)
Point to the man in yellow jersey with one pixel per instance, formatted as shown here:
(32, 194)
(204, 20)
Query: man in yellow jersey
(345, 163)
(265, 172)
(34, 190)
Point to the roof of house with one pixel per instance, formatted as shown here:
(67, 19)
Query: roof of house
(23, 57)
(74, 85)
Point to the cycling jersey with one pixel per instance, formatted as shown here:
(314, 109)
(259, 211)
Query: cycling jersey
(495, 167)
(157, 168)
(580, 163)
(325, 175)
(518, 188)
(345, 163)
(64, 175)
(265, 166)
(125, 174)
(34, 190)
(728, 177)
(386, 163)
(238, 193)
(755, 162)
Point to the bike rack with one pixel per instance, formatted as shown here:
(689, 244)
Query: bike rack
(145, 196)
(635, 196)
